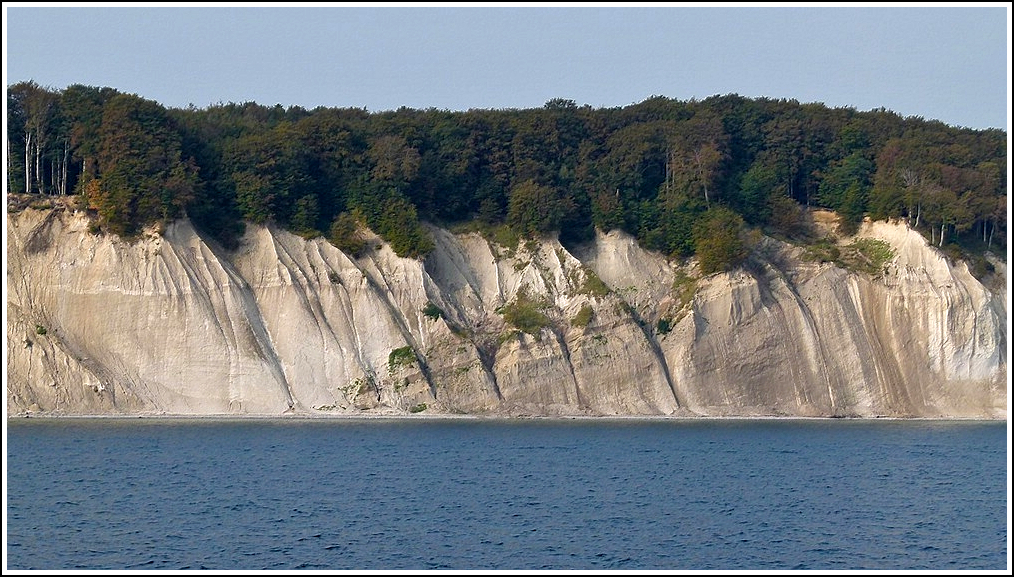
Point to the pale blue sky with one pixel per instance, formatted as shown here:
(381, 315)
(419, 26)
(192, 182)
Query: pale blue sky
(945, 63)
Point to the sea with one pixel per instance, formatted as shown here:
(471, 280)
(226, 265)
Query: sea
(481, 494)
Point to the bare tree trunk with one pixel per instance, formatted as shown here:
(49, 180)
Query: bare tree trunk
(10, 167)
(39, 179)
(918, 214)
(28, 162)
(942, 225)
(992, 229)
(66, 161)
(84, 170)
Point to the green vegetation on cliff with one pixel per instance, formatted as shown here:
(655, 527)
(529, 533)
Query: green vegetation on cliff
(684, 177)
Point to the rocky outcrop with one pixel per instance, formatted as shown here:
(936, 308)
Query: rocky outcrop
(172, 324)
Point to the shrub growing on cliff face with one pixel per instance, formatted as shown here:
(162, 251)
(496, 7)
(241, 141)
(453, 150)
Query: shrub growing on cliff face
(432, 311)
(399, 225)
(525, 313)
(824, 250)
(868, 255)
(981, 268)
(593, 285)
(583, 317)
(346, 236)
(684, 288)
(865, 255)
(718, 240)
(401, 357)
(664, 326)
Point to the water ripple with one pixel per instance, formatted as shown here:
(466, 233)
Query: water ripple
(545, 496)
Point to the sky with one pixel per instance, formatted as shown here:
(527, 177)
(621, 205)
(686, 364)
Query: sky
(945, 62)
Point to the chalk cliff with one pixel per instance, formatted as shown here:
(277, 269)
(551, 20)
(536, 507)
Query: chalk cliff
(172, 324)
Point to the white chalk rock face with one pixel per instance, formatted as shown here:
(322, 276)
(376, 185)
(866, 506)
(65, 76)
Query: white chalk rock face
(163, 319)
(173, 324)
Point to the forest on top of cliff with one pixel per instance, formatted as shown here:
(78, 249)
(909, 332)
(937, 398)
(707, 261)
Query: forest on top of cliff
(684, 177)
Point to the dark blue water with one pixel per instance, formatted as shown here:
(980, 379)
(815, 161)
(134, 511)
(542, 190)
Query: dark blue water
(466, 494)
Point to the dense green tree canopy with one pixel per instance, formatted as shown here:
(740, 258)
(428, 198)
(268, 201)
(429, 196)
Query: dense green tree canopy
(674, 174)
(142, 175)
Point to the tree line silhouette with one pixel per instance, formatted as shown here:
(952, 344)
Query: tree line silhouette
(683, 177)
